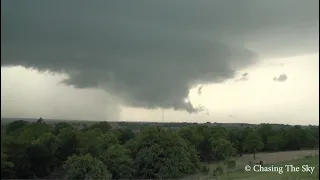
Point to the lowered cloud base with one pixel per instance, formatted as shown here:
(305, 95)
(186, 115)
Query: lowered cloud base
(150, 53)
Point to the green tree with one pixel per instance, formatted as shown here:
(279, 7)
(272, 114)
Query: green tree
(66, 145)
(253, 143)
(102, 126)
(108, 139)
(308, 139)
(218, 132)
(89, 142)
(40, 159)
(293, 137)
(61, 125)
(315, 133)
(162, 154)
(237, 138)
(15, 125)
(33, 131)
(205, 148)
(16, 152)
(191, 135)
(41, 154)
(125, 135)
(221, 149)
(264, 131)
(6, 166)
(119, 162)
(274, 143)
(85, 167)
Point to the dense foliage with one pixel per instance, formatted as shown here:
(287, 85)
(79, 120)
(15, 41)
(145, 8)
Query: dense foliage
(98, 151)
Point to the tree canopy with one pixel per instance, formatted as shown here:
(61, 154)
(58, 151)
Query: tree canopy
(97, 151)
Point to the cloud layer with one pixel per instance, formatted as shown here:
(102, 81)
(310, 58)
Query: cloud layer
(150, 53)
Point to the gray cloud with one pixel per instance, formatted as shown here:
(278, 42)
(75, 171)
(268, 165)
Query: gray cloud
(281, 78)
(151, 52)
(244, 77)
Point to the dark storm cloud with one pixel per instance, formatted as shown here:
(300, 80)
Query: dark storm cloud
(281, 78)
(148, 52)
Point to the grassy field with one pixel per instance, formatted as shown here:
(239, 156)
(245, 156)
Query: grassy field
(278, 159)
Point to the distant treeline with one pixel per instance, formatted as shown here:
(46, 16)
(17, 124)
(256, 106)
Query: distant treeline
(175, 125)
(98, 151)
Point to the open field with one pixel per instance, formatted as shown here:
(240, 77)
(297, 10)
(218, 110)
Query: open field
(277, 159)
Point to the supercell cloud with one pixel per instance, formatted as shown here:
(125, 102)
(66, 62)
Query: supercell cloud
(150, 53)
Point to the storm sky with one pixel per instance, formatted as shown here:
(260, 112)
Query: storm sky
(126, 60)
